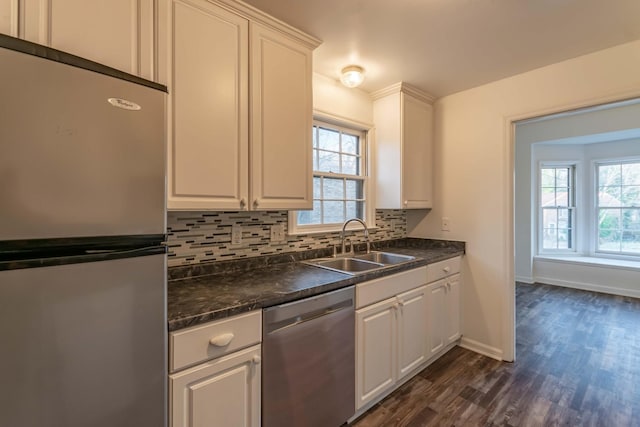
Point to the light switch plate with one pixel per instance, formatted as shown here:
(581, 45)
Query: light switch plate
(277, 234)
(446, 224)
(236, 234)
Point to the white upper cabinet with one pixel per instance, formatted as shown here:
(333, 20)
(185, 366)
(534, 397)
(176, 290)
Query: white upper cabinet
(208, 104)
(282, 118)
(240, 107)
(116, 33)
(403, 118)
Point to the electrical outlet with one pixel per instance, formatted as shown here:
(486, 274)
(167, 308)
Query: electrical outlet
(277, 234)
(446, 224)
(236, 234)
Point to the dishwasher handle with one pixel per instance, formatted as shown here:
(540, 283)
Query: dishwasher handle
(297, 312)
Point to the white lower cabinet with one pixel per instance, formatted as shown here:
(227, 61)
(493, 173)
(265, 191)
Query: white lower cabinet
(443, 306)
(390, 334)
(376, 338)
(225, 390)
(221, 393)
(402, 325)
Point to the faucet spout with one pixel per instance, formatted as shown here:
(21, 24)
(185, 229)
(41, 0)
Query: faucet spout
(366, 234)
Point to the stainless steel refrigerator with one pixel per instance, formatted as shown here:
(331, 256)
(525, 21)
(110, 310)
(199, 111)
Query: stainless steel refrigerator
(82, 265)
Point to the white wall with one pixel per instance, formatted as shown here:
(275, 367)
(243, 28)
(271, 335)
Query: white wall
(332, 99)
(474, 175)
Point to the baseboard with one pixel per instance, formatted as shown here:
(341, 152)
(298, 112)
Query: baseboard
(590, 287)
(525, 279)
(478, 347)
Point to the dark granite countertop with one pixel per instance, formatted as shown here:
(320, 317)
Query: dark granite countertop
(208, 292)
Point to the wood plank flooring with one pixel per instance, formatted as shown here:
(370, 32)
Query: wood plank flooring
(577, 364)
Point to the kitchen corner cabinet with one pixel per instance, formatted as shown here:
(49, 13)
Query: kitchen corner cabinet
(223, 389)
(116, 33)
(403, 118)
(239, 107)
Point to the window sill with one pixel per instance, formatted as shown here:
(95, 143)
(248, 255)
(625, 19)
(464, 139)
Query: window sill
(591, 261)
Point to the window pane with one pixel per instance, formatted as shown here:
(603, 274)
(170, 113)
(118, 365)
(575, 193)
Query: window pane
(609, 196)
(333, 188)
(609, 175)
(547, 177)
(311, 217)
(609, 219)
(564, 220)
(352, 210)
(562, 198)
(609, 240)
(630, 195)
(631, 219)
(354, 189)
(333, 213)
(549, 218)
(630, 241)
(328, 162)
(350, 165)
(315, 137)
(317, 183)
(315, 160)
(562, 177)
(350, 143)
(328, 139)
(631, 174)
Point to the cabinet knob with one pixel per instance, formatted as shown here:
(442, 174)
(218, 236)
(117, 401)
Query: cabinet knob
(401, 303)
(243, 202)
(221, 340)
(446, 269)
(256, 203)
(406, 202)
(256, 359)
(396, 306)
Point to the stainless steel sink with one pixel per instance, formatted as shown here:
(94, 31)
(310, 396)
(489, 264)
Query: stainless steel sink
(347, 265)
(360, 263)
(384, 257)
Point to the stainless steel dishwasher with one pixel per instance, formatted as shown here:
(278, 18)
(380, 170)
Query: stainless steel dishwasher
(308, 371)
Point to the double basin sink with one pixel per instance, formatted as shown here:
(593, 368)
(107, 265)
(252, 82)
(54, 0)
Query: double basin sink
(361, 263)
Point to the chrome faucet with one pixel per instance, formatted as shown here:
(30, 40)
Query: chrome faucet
(366, 234)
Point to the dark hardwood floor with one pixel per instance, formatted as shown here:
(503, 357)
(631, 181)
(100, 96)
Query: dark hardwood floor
(577, 364)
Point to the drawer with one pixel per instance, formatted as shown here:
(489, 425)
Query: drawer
(441, 269)
(386, 287)
(211, 340)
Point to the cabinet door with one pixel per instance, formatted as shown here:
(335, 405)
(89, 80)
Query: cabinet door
(416, 153)
(221, 393)
(281, 121)
(376, 343)
(204, 62)
(412, 330)
(453, 309)
(117, 33)
(436, 303)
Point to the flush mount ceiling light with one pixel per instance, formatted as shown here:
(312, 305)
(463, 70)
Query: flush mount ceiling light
(352, 76)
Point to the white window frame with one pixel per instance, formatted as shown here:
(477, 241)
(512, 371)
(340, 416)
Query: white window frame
(594, 229)
(573, 165)
(368, 190)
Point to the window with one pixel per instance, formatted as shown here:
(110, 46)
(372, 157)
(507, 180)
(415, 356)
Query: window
(618, 208)
(339, 179)
(557, 207)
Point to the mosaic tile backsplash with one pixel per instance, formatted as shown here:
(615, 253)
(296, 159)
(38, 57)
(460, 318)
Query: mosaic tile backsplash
(196, 237)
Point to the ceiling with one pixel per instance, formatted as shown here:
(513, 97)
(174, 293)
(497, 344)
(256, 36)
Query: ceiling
(446, 46)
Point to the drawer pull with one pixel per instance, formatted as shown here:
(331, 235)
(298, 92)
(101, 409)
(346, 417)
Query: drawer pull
(221, 340)
(256, 359)
(446, 269)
